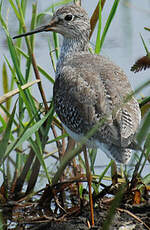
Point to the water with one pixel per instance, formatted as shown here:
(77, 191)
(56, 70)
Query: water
(123, 43)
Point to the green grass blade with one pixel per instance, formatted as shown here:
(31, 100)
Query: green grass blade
(30, 131)
(104, 172)
(112, 210)
(56, 41)
(144, 44)
(146, 151)
(56, 44)
(98, 44)
(15, 9)
(26, 96)
(12, 72)
(45, 74)
(41, 70)
(6, 136)
(27, 133)
(144, 129)
(2, 120)
(146, 179)
(48, 124)
(33, 23)
(1, 18)
(109, 20)
(31, 39)
(51, 55)
(8, 115)
(5, 84)
(24, 6)
(58, 138)
(92, 155)
(40, 157)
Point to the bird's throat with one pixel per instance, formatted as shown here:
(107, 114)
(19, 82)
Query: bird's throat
(69, 48)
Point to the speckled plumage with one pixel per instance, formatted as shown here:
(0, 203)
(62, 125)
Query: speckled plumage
(90, 87)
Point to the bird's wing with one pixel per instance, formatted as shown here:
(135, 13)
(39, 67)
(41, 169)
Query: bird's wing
(95, 88)
(75, 99)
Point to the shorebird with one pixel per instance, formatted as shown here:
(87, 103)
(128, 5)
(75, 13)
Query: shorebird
(89, 88)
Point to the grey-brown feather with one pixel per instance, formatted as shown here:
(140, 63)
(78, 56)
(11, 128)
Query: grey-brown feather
(90, 87)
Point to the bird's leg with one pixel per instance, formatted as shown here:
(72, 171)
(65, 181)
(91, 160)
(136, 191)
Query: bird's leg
(89, 179)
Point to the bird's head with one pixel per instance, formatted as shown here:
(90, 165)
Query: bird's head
(70, 21)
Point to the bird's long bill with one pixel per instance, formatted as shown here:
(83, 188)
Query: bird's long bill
(48, 27)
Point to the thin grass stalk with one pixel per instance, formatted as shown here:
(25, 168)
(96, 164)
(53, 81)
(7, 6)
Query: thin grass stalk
(108, 22)
(12, 69)
(56, 41)
(19, 42)
(33, 58)
(143, 164)
(21, 179)
(95, 17)
(135, 174)
(144, 44)
(144, 101)
(51, 56)
(114, 175)
(5, 84)
(89, 178)
(26, 133)
(39, 155)
(100, 178)
(41, 70)
(92, 155)
(3, 122)
(6, 136)
(8, 115)
(25, 94)
(112, 210)
(144, 129)
(19, 157)
(12, 93)
(24, 6)
(147, 153)
(33, 177)
(32, 26)
(97, 46)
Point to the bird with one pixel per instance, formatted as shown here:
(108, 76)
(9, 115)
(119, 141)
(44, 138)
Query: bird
(89, 88)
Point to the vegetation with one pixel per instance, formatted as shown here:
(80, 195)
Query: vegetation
(26, 143)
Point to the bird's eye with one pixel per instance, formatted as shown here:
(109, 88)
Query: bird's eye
(68, 17)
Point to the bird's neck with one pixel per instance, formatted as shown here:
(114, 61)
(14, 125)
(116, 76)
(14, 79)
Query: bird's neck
(69, 48)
